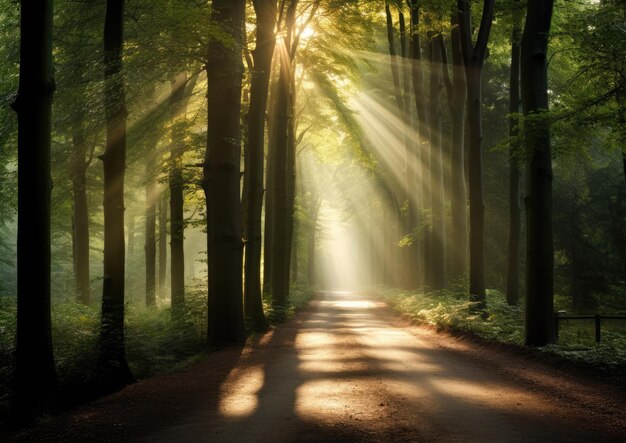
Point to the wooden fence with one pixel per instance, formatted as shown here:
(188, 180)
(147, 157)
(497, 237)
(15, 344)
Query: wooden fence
(597, 318)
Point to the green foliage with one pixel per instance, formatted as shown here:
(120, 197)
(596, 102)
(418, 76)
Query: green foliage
(449, 310)
(298, 297)
(154, 343)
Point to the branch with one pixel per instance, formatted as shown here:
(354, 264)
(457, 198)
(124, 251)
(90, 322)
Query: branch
(296, 40)
(483, 33)
(586, 106)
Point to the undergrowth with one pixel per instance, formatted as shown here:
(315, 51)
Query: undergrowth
(155, 343)
(298, 297)
(450, 310)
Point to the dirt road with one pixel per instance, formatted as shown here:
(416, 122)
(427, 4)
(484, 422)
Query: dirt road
(346, 369)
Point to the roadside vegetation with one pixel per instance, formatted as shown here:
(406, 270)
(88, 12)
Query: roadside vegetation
(450, 311)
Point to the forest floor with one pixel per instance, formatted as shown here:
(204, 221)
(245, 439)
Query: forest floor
(347, 369)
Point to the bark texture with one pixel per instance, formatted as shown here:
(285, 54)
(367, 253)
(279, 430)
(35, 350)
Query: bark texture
(222, 176)
(112, 359)
(262, 55)
(35, 378)
(437, 278)
(80, 215)
(177, 198)
(474, 57)
(539, 324)
(513, 268)
(150, 246)
(458, 190)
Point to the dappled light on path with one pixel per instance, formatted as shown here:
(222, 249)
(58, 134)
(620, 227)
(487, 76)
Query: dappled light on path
(347, 371)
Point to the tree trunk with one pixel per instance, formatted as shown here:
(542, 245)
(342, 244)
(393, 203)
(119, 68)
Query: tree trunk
(112, 359)
(474, 57)
(177, 199)
(421, 160)
(266, 38)
(281, 249)
(513, 269)
(311, 244)
(131, 235)
(35, 378)
(268, 237)
(410, 258)
(80, 216)
(438, 237)
(150, 246)
(458, 197)
(395, 72)
(284, 167)
(163, 244)
(221, 180)
(539, 326)
(476, 200)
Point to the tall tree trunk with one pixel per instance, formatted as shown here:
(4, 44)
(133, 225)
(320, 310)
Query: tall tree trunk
(262, 55)
(284, 166)
(268, 236)
(112, 358)
(311, 244)
(280, 254)
(513, 269)
(539, 326)
(395, 71)
(80, 216)
(438, 238)
(410, 258)
(421, 160)
(150, 246)
(131, 235)
(458, 197)
(163, 244)
(221, 180)
(474, 57)
(35, 378)
(177, 198)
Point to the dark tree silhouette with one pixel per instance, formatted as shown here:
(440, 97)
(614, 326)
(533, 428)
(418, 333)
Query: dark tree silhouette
(538, 202)
(112, 359)
(35, 378)
(221, 180)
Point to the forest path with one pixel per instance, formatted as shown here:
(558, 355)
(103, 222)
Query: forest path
(347, 369)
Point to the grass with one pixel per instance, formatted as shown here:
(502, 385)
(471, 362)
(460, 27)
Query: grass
(450, 310)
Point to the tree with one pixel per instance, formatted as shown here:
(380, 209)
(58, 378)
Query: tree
(513, 270)
(539, 313)
(177, 222)
(35, 378)
(420, 159)
(284, 152)
(162, 243)
(112, 358)
(437, 277)
(222, 175)
(265, 42)
(150, 247)
(457, 95)
(474, 57)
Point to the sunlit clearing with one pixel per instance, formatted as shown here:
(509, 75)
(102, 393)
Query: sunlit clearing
(356, 233)
(239, 393)
(338, 257)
